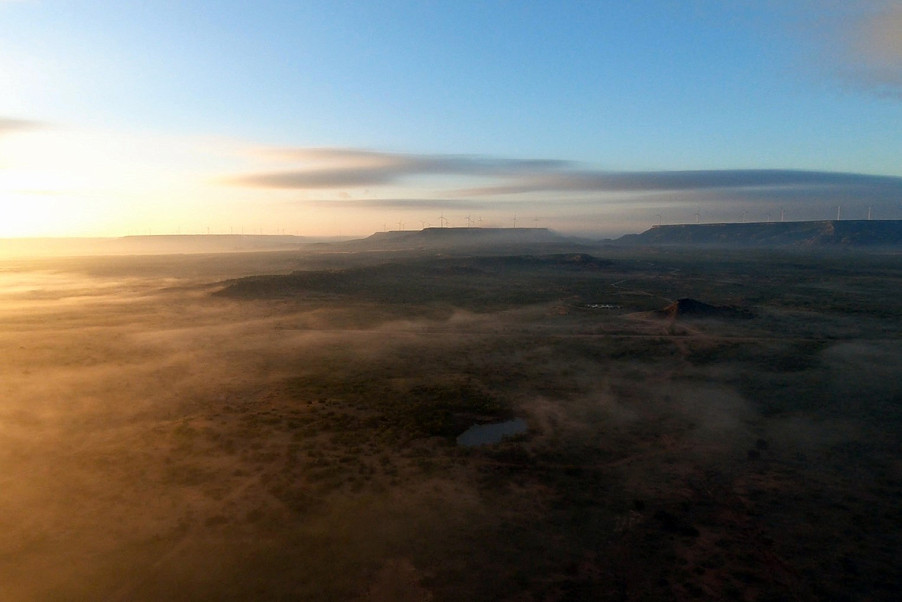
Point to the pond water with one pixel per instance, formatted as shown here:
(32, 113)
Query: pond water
(484, 434)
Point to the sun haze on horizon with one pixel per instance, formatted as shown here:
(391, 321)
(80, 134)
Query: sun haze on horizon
(344, 118)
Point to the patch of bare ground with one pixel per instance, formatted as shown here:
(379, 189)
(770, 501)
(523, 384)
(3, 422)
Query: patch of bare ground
(397, 581)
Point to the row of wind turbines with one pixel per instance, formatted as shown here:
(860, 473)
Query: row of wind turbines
(444, 222)
(767, 216)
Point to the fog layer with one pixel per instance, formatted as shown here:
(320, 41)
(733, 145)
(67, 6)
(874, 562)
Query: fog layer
(169, 431)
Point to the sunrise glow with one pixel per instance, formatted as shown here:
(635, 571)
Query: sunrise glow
(327, 120)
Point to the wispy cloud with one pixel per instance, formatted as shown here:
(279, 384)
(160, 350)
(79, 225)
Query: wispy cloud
(861, 44)
(317, 178)
(661, 181)
(875, 45)
(388, 203)
(319, 168)
(9, 125)
(338, 168)
(369, 184)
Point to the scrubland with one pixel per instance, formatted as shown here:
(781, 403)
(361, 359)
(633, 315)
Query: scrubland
(281, 426)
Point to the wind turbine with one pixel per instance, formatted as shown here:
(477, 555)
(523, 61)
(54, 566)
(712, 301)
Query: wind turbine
(469, 221)
(698, 216)
(659, 218)
(869, 213)
(515, 221)
(442, 220)
(838, 212)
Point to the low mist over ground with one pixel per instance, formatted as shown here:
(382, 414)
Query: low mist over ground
(283, 425)
(152, 245)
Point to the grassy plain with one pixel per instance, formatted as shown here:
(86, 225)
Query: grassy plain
(281, 426)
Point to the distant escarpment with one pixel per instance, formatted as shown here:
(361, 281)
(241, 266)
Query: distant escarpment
(692, 308)
(462, 239)
(831, 233)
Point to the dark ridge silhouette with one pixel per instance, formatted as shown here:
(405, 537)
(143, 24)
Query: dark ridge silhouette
(463, 234)
(461, 281)
(459, 239)
(692, 308)
(831, 233)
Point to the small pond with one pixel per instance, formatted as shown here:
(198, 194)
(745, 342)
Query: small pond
(484, 434)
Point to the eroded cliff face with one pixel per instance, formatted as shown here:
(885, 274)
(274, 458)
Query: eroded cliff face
(857, 233)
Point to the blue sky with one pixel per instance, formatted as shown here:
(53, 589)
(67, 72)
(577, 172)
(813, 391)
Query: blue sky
(326, 117)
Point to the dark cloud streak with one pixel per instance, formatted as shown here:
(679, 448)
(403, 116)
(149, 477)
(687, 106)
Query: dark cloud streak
(327, 168)
(503, 185)
(319, 178)
(350, 167)
(673, 181)
(400, 204)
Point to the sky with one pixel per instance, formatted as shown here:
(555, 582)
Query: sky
(321, 118)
